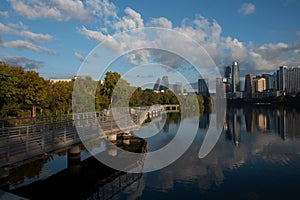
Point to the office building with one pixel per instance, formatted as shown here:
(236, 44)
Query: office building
(235, 73)
(156, 85)
(293, 80)
(281, 79)
(203, 87)
(164, 83)
(269, 81)
(178, 88)
(249, 88)
(259, 84)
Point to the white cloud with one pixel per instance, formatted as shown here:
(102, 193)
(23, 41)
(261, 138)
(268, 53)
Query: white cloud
(208, 33)
(21, 30)
(131, 20)
(90, 34)
(4, 13)
(160, 22)
(268, 57)
(21, 44)
(246, 9)
(79, 56)
(23, 61)
(102, 9)
(64, 10)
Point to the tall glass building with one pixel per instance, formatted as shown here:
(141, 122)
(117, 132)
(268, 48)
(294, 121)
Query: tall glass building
(235, 73)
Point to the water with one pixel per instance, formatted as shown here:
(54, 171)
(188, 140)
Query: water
(256, 157)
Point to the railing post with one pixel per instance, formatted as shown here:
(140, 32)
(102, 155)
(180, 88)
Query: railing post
(8, 148)
(27, 136)
(111, 125)
(43, 140)
(65, 134)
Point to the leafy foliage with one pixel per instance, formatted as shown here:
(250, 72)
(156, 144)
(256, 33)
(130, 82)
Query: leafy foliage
(25, 93)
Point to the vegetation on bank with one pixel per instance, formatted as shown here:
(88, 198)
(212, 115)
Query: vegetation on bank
(280, 101)
(25, 93)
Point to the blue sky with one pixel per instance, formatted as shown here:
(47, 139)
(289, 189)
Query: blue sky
(54, 37)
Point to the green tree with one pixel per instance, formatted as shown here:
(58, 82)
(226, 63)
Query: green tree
(61, 96)
(83, 95)
(34, 91)
(111, 79)
(10, 91)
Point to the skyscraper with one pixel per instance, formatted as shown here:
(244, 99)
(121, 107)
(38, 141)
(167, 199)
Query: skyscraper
(227, 72)
(269, 81)
(259, 84)
(293, 80)
(164, 83)
(156, 85)
(235, 72)
(281, 78)
(178, 89)
(203, 87)
(220, 88)
(249, 85)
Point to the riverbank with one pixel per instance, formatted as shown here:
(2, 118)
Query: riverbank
(277, 102)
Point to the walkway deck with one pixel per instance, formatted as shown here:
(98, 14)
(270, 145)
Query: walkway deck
(8, 196)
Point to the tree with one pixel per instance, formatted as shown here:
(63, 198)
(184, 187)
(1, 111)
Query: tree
(34, 90)
(111, 79)
(83, 95)
(61, 96)
(10, 93)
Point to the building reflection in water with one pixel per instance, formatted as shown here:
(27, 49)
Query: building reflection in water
(204, 121)
(232, 126)
(284, 123)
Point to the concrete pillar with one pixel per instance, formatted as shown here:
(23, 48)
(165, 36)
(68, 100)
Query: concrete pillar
(112, 151)
(112, 138)
(74, 160)
(126, 141)
(4, 179)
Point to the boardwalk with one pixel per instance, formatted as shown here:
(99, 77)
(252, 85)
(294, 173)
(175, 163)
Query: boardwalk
(46, 134)
(87, 178)
(26, 141)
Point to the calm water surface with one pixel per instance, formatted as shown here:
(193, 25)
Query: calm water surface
(256, 157)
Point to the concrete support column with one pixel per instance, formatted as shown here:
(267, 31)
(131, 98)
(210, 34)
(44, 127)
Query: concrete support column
(112, 150)
(4, 179)
(112, 138)
(74, 160)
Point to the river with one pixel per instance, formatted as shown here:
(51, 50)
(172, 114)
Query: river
(256, 157)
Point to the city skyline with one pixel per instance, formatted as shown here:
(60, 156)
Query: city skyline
(284, 81)
(52, 39)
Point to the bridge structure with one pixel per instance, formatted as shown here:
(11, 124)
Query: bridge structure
(31, 137)
(87, 178)
(172, 108)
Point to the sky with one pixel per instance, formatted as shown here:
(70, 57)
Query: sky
(56, 37)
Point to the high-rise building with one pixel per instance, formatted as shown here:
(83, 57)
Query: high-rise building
(235, 72)
(164, 83)
(178, 89)
(249, 89)
(220, 88)
(269, 81)
(275, 82)
(156, 85)
(259, 84)
(293, 80)
(227, 72)
(203, 87)
(281, 78)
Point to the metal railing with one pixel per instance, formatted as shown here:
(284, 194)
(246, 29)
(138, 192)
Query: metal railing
(47, 134)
